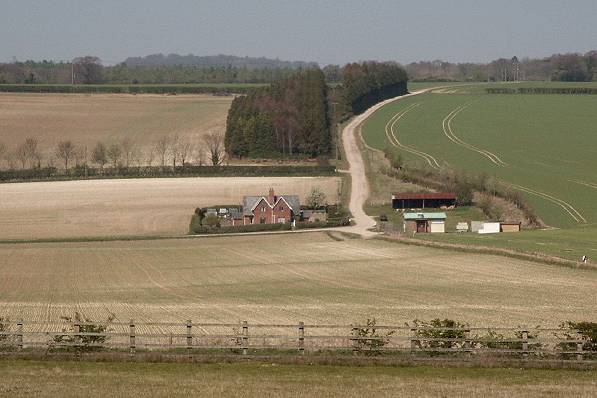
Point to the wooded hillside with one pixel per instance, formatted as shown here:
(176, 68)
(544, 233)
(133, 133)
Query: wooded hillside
(288, 118)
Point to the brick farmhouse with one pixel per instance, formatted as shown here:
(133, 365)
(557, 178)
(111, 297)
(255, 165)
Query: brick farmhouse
(270, 209)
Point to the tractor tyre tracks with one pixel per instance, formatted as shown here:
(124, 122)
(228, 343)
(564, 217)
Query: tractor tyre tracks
(449, 132)
(393, 138)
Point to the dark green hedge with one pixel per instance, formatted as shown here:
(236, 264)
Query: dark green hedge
(239, 229)
(323, 224)
(129, 89)
(80, 173)
(544, 90)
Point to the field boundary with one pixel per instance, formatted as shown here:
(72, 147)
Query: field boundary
(90, 173)
(393, 236)
(190, 339)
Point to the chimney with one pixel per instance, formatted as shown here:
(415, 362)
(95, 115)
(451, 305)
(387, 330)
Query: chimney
(271, 197)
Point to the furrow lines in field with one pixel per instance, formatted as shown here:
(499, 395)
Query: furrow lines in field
(393, 138)
(449, 132)
(575, 214)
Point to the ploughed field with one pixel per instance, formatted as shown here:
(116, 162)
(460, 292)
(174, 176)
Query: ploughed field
(545, 146)
(312, 277)
(87, 119)
(75, 209)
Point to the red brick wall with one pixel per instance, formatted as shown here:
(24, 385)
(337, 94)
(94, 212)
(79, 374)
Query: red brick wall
(263, 210)
(282, 211)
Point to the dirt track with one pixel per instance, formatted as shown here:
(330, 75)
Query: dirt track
(360, 186)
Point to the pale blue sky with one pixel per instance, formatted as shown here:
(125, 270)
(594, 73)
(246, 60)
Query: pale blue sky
(321, 31)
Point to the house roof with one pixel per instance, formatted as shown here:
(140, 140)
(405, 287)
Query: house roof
(236, 215)
(425, 216)
(424, 195)
(249, 202)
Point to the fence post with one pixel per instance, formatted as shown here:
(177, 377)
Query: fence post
(245, 337)
(467, 343)
(189, 338)
(132, 342)
(20, 334)
(525, 343)
(579, 349)
(301, 339)
(413, 342)
(355, 340)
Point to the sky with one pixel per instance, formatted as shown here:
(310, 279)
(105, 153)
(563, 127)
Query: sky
(325, 31)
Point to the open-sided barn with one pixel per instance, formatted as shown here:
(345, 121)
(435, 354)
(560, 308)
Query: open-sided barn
(409, 200)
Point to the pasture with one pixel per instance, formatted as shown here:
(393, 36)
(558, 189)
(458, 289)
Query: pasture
(312, 277)
(86, 119)
(542, 145)
(73, 379)
(75, 209)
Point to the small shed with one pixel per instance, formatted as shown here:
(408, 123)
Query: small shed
(510, 227)
(490, 228)
(409, 200)
(425, 222)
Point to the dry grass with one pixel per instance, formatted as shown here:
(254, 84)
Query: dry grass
(132, 206)
(286, 279)
(66, 379)
(86, 119)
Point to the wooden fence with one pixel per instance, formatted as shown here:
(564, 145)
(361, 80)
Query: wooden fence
(244, 338)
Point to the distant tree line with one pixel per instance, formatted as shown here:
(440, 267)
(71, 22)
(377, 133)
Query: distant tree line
(558, 67)
(290, 117)
(157, 69)
(167, 150)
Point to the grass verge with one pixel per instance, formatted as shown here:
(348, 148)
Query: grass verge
(50, 378)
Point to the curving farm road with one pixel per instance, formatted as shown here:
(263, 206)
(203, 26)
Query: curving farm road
(360, 186)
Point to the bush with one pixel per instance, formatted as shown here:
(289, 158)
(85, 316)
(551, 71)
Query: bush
(211, 221)
(583, 331)
(368, 340)
(195, 223)
(323, 224)
(82, 343)
(242, 228)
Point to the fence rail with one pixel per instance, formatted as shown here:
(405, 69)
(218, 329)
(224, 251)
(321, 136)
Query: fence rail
(188, 338)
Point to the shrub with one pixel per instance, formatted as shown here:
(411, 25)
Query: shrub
(368, 340)
(583, 331)
(211, 221)
(243, 228)
(83, 343)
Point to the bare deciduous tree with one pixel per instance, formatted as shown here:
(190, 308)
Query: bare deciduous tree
(99, 155)
(128, 149)
(21, 155)
(115, 155)
(32, 152)
(2, 152)
(185, 151)
(65, 151)
(174, 149)
(161, 148)
(150, 156)
(214, 142)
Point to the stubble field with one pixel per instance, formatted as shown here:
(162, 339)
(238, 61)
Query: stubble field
(87, 119)
(75, 209)
(310, 277)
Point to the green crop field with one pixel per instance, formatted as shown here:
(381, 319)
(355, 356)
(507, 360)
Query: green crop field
(544, 145)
